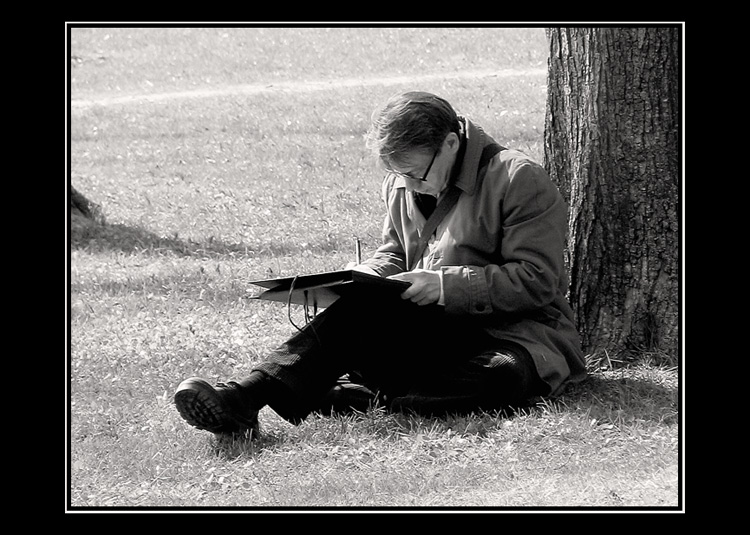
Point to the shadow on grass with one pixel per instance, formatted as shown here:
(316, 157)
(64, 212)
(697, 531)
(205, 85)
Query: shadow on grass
(628, 394)
(626, 397)
(95, 237)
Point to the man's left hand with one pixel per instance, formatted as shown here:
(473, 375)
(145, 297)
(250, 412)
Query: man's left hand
(425, 286)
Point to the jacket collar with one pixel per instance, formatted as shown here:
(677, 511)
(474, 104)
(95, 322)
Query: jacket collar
(475, 139)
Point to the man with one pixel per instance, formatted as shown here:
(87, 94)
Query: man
(484, 324)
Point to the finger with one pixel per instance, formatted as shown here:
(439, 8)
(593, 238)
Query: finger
(409, 293)
(416, 297)
(426, 298)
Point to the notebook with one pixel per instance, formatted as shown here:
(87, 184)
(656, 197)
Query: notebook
(320, 290)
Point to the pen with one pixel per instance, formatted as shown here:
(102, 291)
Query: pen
(358, 247)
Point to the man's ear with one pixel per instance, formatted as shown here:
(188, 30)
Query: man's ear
(451, 143)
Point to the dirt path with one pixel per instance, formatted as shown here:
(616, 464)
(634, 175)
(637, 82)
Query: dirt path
(301, 87)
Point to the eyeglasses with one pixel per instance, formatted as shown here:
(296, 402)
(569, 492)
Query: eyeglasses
(424, 176)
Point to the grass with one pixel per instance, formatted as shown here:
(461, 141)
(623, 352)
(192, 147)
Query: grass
(203, 195)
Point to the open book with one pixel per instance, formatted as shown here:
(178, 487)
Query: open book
(320, 290)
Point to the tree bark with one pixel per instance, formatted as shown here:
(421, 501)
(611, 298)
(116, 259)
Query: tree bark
(612, 144)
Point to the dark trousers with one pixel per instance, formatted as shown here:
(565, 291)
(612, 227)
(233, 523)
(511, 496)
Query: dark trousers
(415, 358)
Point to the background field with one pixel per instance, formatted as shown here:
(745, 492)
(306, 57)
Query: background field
(223, 155)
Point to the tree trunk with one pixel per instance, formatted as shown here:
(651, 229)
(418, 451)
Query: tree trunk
(612, 145)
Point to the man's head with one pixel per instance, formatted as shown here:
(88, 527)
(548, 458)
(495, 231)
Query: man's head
(417, 135)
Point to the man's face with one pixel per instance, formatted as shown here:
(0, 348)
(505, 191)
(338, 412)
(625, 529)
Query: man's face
(425, 171)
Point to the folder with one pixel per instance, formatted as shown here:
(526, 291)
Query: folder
(321, 290)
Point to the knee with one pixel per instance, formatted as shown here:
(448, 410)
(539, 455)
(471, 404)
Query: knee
(509, 377)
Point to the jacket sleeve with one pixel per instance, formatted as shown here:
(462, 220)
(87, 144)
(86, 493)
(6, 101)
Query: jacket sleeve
(528, 275)
(390, 257)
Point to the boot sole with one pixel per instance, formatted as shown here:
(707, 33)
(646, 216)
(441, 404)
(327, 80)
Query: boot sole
(199, 405)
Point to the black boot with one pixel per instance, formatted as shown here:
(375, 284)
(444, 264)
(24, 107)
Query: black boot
(220, 409)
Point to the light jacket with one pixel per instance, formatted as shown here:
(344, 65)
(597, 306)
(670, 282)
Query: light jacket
(500, 250)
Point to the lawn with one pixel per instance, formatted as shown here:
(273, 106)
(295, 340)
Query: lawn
(223, 155)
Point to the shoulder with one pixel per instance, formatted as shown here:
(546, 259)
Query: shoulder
(520, 170)
(519, 164)
(511, 166)
(525, 181)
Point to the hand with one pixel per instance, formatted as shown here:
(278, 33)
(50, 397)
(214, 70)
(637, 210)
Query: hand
(425, 286)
